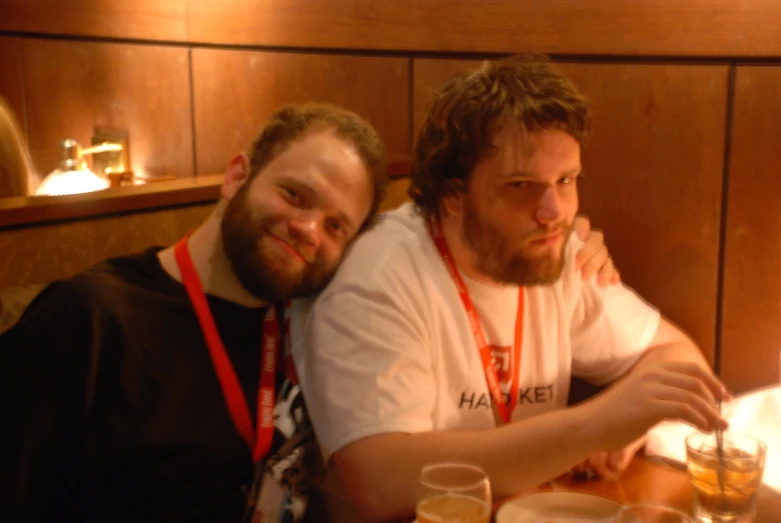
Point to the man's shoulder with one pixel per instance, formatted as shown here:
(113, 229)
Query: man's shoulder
(401, 225)
(110, 279)
(396, 242)
(139, 269)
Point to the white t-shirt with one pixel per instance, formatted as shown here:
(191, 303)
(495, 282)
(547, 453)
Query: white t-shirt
(387, 347)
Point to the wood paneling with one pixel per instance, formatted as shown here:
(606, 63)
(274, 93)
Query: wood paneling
(397, 194)
(650, 27)
(41, 254)
(236, 91)
(74, 87)
(751, 336)
(655, 168)
(655, 162)
(11, 84)
(428, 75)
(144, 19)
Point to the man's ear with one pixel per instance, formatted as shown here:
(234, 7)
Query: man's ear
(236, 174)
(454, 202)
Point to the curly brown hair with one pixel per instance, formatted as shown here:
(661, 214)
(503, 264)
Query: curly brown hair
(457, 129)
(293, 122)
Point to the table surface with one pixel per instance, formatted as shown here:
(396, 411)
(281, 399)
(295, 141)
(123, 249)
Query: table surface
(649, 480)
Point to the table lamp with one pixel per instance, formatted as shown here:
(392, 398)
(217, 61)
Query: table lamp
(73, 176)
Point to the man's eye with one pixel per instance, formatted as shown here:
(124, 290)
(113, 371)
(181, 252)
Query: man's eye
(291, 194)
(520, 184)
(335, 227)
(567, 180)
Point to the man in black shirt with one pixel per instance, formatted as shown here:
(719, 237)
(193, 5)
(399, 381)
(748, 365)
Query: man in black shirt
(152, 387)
(114, 399)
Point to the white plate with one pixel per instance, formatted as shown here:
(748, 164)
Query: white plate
(558, 507)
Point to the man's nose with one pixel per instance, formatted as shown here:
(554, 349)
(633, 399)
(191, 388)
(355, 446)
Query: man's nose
(304, 227)
(549, 206)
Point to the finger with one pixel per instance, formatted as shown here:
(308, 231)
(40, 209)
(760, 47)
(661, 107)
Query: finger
(679, 405)
(618, 461)
(599, 464)
(593, 240)
(605, 272)
(693, 384)
(582, 227)
(593, 255)
(680, 387)
(713, 383)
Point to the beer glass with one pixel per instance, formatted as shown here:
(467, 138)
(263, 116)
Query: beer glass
(453, 493)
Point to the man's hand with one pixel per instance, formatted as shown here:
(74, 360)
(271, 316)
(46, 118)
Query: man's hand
(680, 390)
(610, 465)
(593, 258)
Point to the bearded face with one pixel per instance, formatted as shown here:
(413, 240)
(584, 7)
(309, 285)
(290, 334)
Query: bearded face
(512, 259)
(252, 245)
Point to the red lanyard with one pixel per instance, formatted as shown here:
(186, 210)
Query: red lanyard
(505, 410)
(258, 441)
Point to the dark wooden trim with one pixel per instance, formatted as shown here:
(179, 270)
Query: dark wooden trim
(598, 28)
(723, 220)
(39, 209)
(137, 19)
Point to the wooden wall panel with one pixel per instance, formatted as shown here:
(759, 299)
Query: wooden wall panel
(751, 336)
(11, 83)
(616, 27)
(655, 166)
(236, 91)
(48, 252)
(397, 194)
(428, 75)
(74, 87)
(144, 19)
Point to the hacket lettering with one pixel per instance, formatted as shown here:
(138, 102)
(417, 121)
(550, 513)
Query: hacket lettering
(527, 395)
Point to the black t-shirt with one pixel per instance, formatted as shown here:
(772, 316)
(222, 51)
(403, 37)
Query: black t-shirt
(111, 407)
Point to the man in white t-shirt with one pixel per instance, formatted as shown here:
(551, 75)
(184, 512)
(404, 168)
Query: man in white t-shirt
(453, 327)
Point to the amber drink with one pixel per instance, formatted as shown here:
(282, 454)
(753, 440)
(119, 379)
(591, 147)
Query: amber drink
(725, 483)
(453, 493)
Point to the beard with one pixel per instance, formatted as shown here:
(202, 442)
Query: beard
(496, 257)
(272, 281)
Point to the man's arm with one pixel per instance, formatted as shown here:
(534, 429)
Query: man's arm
(370, 389)
(380, 472)
(45, 368)
(669, 344)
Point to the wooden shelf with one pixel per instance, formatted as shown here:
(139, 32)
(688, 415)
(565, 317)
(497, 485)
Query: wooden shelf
(28, 210)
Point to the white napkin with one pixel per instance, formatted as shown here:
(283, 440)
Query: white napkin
(756, 413)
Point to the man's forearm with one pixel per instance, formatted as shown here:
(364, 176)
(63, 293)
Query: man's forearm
(381, 472)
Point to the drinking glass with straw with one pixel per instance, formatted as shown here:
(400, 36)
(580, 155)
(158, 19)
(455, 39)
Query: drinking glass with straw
(725, 470)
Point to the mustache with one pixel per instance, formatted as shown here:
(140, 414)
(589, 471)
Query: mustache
(295, 247)
(541, 234)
